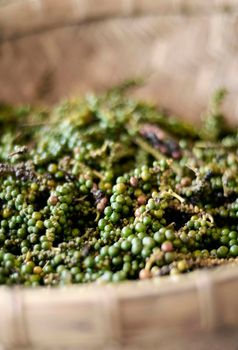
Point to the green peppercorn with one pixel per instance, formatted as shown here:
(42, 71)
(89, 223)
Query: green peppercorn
(113, 251)
(126, 245)
(136, 246)
(140, 227)
(234, 250)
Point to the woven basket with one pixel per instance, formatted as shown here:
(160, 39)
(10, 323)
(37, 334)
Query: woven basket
(50, 49)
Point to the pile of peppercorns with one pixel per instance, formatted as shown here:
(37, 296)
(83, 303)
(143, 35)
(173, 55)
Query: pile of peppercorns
(106, 188)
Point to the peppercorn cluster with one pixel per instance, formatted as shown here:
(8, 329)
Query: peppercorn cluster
(106, 189)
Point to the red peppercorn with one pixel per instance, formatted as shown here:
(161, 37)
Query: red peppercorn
(167, 246)
(144, 274)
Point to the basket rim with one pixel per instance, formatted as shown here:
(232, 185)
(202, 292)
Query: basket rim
(207, 310)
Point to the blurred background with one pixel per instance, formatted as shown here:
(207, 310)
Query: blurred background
(183, 49)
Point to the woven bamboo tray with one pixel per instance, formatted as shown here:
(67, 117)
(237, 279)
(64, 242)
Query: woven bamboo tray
(50, 49)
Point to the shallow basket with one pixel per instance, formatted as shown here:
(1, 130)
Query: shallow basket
(52, 49)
